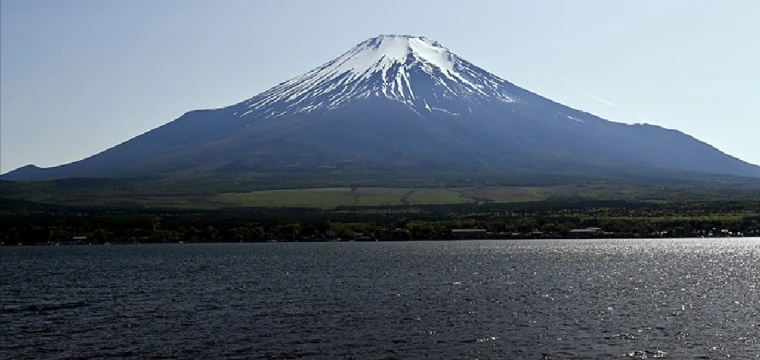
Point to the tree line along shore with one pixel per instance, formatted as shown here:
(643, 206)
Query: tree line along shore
(542, 220)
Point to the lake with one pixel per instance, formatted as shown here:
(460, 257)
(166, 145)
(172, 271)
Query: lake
(533, 299)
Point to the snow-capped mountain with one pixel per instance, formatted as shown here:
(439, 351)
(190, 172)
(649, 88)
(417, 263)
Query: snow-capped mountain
(416, 71)
(397, 103)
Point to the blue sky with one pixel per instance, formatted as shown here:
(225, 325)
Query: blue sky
(80, 76)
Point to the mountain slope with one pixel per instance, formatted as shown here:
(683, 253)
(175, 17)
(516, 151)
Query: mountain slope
(396, 102)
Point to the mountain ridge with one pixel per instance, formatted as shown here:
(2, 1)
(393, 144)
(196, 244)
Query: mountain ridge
(395, 101)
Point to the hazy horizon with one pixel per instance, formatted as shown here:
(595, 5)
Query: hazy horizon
(80, 76)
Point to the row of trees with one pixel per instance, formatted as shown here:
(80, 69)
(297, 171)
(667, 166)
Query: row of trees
(433, 222)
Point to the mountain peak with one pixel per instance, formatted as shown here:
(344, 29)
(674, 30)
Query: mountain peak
(397, 102)
(381, 52)
(395, 43)
(414, 70)
(399, 40)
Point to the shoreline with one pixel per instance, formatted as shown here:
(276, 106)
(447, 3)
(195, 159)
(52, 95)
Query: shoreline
(367, 241)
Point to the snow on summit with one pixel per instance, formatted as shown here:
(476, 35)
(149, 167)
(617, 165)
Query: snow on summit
(414, 70)
(382, 53)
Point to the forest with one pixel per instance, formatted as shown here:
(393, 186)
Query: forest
(30, 223)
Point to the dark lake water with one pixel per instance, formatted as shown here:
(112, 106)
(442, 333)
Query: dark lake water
(645, 299)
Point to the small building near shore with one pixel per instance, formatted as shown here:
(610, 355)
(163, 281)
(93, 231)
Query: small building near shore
(585, 233)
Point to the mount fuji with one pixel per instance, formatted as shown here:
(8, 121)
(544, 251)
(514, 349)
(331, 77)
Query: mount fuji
(395, 103)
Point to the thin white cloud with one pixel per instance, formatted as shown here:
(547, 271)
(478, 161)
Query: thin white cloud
(643, 119)
(600, 99)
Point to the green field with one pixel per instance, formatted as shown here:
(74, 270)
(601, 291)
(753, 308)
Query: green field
(322, 198)
(367, 196)
(334, 197)
(316, 198)
(380, 196)
(437, 197)
(392, 196)
(510, 193)
(313, 192)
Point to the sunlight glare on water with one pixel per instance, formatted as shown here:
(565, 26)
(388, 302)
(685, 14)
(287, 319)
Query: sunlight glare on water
(686, 298)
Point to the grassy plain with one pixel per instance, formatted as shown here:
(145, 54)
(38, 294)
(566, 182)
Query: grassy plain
(284, 192)
(322, 198)
(379, 196)
(437, 197)
(335, 197)
(314, 198)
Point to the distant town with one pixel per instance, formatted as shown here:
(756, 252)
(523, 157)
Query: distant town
(400, 234)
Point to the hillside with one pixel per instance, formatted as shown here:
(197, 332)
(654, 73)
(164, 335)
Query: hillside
(397, 103)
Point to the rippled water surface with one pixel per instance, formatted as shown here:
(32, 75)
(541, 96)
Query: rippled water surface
(675, 299)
